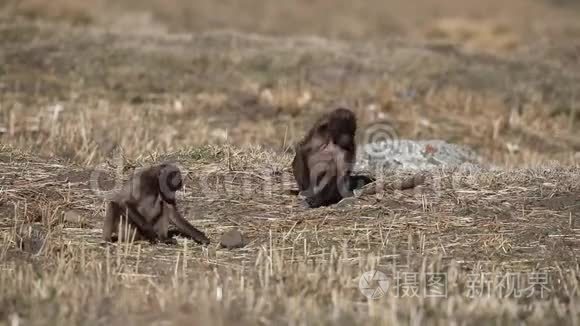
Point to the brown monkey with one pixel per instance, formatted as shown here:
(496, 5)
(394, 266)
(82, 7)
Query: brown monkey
(324, 159)
(146, 205)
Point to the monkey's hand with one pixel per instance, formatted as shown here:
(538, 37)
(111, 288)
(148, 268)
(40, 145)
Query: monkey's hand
(151, 236)
(170, 241)
(153, 240)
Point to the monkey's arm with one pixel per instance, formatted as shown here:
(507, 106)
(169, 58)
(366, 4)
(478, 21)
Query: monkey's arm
(300, 167)
(184, 227)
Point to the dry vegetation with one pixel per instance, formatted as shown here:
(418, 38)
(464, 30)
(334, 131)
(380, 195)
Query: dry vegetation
(108, 85)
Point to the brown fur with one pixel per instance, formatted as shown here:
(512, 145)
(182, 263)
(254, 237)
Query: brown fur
(148, 200)
(324, 159)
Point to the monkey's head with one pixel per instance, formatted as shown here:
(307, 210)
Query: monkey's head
(170, 181)
(340, 126)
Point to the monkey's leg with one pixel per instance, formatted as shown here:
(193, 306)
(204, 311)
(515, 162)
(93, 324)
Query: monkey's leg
(143, 227)
(185, 228)
(126, 231)
(113, 212)
(161, 223)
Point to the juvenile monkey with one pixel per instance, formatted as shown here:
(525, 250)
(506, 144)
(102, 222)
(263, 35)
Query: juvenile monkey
(145, 206)
(324, 159)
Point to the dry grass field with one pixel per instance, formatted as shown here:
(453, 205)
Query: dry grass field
(91, 90)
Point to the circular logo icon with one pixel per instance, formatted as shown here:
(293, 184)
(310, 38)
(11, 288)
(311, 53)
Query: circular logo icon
(380, 138)
(373, 284)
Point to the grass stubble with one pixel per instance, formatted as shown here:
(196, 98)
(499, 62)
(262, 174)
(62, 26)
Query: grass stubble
(503, 227)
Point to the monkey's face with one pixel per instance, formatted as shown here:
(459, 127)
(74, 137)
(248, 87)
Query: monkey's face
(341, 133)
(170, 181)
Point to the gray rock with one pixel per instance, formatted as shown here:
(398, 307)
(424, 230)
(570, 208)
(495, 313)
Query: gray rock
(74, 217)
(411, 154)
(232, 239)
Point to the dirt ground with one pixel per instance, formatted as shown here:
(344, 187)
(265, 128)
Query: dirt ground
(91, 90)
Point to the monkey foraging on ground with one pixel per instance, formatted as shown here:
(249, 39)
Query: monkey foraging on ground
(145, 205)
(324, 160)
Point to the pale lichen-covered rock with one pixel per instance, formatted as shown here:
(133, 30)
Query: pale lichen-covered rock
(416, 155)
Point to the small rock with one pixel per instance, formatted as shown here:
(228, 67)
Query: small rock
(413, 181)
(74, 217)
(31, 240)
(232, 239)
